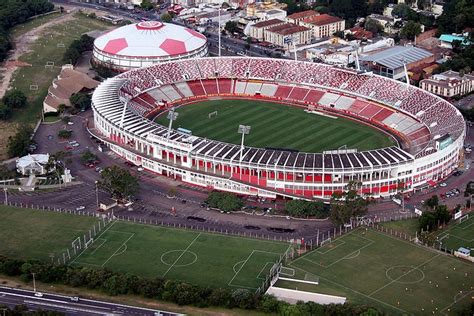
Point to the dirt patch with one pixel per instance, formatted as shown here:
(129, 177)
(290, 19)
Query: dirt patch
(22, 45)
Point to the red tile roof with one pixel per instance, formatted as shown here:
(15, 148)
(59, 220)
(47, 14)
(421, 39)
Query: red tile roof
(303, 14)
(322, 19)
(268, 23)
(287, 29)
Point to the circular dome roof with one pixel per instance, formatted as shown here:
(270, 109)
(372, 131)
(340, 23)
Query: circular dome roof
(150, 39)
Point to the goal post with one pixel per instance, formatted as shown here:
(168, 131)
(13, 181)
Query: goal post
(325, 242)
(88, 243)
(463, 218)
(76, 244)
(212, 114)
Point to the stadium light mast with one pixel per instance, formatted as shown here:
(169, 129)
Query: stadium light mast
(220, 32)
(172, 116)
(244, 130)
(407, 79)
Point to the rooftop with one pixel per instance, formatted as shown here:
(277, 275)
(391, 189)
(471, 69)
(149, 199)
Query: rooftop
(302, 15)
(451, 38)
(287, 29)
(322, 19)
(395, 57)
(268, 23)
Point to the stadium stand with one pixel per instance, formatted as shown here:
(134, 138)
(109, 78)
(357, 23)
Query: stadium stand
(225, 85)
(210, 86)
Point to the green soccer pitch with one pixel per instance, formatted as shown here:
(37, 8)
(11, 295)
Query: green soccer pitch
(397, 276)
(458, 234)
(192, 256)
(276, 125)
(33, 234)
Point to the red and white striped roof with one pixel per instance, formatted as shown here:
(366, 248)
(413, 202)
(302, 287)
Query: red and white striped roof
(150, 39)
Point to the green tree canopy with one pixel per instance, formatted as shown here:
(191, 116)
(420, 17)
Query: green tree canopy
(119, 182)
(231, 27)
(18, 144)
(166, 17)
(224, 201)
(348, 204)
(15, 99)
(81, 101)
(301, 208)
(373, 26)
(410, 30)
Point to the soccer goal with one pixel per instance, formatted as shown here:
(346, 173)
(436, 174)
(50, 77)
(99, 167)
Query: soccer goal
(60, 45)
(76, 244)
(88, 243)
(49, 64)
(212, 114)
(326, 241)
(463, 218)
(285, 271)
(33, 87)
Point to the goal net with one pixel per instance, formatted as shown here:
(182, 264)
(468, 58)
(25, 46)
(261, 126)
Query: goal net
(212, 114)
(288, 272)
(88, 243)
(463, 218)
(325, 242)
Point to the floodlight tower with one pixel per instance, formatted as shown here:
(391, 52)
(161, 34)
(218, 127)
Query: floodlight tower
(244, 130)
(407, 79)
(220, 32)
(172, 116)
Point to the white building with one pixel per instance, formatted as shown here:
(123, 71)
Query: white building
(324, 25)
(32, 164)
(449, 84)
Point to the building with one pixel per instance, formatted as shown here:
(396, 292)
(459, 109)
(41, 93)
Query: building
(389, 23)
(431, 139)
(32, 164)
(449, 84)
(209, 17)
(300, 16)
(147, 43)
(360, 33)
(287, 34)
(324, 25)
(446, 40)
(68, 82)
(390, 62)
(257, 30)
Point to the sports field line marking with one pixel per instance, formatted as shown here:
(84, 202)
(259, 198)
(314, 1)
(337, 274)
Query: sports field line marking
(341, 242)
(103, 232)
(258, 275)
(410, 271)
(456, 301)
(182, 253)
(351, 289)
(97, 248)
(87, 263)
(124, 244)
(246, 260)
(340, 259)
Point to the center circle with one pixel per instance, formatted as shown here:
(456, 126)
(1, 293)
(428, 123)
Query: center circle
(178, 258)
(405, 274)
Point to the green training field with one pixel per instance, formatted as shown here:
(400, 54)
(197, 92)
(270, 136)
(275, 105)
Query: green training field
(397, 276)
(196, 257)
(276, 125)
(458, 234)
(32, 234)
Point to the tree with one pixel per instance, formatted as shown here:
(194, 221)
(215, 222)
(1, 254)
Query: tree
(146, 5)
(231, 27)
(224, 201)
(301, 208)
(432, 202)
(119, 182)
(410, 30)
(18, 144)
(15, 99)
(404, 12)
(87, 157)
(348, 204)
(373, 26)
(166, 17)
(5, 112)
(80, 100)
(64, 133)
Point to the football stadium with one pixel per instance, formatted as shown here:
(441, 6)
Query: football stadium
(147, 43)
(278, 128)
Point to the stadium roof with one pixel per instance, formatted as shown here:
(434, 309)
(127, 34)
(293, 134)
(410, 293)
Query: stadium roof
(394, 57)
(150, 39)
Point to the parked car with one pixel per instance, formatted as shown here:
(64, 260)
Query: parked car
(80, 208)
(443, 184)
(38, 294)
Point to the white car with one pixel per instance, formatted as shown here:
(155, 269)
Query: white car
(79, 208)
(75, 299)
(443, 184)
(75, 145)
(70, 123)
(140, 169)
(38, 294)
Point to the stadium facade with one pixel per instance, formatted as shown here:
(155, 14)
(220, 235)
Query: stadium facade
(147, 43)
(430, 130)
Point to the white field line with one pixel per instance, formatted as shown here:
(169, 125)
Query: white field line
(341, 242)
(184, 251)
(246, 260)
(124, 244)
(103, 232)
(258, 275)
(411, 270)
(97, 248)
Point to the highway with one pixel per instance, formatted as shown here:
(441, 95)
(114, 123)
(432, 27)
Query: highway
(65, 304)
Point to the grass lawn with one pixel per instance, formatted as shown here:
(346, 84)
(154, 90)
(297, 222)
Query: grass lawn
(196, 257)
(43, 50)
(32, 234)
(458, 234)
(31, 24)
(405, 226)
(276, 125)
(373, 268)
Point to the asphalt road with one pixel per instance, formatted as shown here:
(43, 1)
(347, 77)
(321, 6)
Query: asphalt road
(48, 301)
